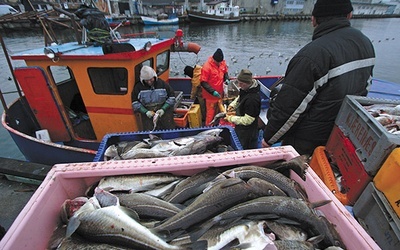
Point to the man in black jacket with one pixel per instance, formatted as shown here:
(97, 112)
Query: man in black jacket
(247, 107)
(338, 62)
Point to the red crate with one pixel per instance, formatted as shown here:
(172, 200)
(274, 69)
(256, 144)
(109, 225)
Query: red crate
(342, 152)
(183, 121)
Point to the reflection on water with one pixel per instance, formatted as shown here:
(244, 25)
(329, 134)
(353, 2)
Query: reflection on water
(264, 47)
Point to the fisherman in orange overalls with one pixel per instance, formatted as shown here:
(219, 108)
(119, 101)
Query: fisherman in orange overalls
(213, 75)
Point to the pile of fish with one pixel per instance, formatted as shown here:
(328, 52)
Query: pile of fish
(154, 147)
(386, 114)
(241, 207)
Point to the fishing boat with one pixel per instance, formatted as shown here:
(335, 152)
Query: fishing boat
(114, 22)
(217, 11)
(159, 21)
(76, 93)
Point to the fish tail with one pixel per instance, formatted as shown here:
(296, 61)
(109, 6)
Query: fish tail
(198, 245)
(73, 224)
(320, 203)
(195, 235)
(301, 191)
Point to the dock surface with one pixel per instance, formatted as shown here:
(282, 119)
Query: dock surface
(18, 182)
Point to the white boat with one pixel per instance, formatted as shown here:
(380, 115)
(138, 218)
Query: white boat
(217, 11)
(159, 21)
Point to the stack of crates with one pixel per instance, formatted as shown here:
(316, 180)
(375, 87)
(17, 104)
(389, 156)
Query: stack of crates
(365, 154)
(378, 208)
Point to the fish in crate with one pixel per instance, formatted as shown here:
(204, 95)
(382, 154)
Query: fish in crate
(257, 206)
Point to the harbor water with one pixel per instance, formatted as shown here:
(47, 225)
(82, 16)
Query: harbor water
(264, 47)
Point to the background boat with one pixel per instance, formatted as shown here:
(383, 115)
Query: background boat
(115, 21)
(216, 12)
(159, 21)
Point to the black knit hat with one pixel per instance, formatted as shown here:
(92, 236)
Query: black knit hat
(218, 55)
(324, 8)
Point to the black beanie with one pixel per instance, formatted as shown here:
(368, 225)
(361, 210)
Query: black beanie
(188, 71)
(218, 55)
(324, 8)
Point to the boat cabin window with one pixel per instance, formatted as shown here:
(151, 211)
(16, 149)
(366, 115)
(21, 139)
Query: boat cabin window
(162, 62)
(109, 81)
(61, 74)
(67, 88)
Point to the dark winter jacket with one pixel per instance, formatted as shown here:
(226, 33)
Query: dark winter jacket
(154, 97)
(338, 62)
(249, 103)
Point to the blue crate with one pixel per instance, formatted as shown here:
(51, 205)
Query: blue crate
(228, 134)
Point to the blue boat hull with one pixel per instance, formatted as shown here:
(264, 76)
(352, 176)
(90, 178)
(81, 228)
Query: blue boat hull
(384, 90)
(48, 153)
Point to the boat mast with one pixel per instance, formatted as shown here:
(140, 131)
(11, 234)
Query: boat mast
(201, 5)
(3, 102)
(109, 7)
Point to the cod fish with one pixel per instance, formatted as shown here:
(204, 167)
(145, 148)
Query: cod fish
(298, 164)
(286, 232)
(136, 183)
(192, 186)
(278, 206)
(247, 233)
(69, 207)
(293, 244)
(197, 146)
(113, 225)
(163, 191)
(77, 242)
(142, 153)
(216, 119)
(148, 206)
(289, 186)
(219, 197)
(212, 132)
(58, 241)
(116, 150)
